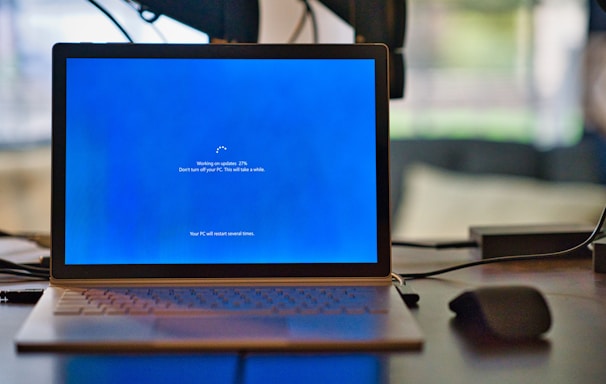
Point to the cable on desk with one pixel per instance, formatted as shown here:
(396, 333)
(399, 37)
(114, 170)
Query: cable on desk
(503, 259)
(31, 271)
(436, 245)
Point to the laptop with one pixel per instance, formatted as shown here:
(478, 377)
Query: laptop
(220, 198)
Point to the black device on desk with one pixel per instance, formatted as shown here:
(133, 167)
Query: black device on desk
(509, 312)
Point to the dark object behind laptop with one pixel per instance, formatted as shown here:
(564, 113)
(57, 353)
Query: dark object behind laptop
(374, 21)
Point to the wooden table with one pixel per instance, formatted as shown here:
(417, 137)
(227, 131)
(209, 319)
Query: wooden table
(573, 351)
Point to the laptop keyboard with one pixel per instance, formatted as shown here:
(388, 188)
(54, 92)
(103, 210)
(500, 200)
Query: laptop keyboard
(216, 301)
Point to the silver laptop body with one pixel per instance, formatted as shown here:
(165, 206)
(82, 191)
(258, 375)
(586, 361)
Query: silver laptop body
(255, 173)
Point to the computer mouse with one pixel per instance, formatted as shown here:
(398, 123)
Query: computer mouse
(508, 312)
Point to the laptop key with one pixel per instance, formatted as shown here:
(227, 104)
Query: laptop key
(93, 311)
(66, 310)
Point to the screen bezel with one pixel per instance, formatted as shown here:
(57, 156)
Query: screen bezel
(63, 51)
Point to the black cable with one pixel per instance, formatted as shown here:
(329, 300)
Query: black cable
(32, 271)
(297, 32)
(22, 273)
(314, 22)
(596, 232)
(436, 245)
(144, 12)
(25, 267)
(307, 12)
(109, 16)
(148, 16)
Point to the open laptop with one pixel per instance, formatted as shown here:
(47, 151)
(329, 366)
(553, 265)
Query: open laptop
(247, 171)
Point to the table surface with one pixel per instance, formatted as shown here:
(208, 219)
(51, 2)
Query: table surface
(573, 351)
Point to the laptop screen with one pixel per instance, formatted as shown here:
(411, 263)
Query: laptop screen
(192, 157)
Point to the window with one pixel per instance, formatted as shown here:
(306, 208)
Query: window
(499, 69)
(494, 69)
(29, 28)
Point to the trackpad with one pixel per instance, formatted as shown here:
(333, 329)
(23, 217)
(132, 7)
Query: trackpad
(217, 327)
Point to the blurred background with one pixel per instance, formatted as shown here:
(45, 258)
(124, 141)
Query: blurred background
(502, 119)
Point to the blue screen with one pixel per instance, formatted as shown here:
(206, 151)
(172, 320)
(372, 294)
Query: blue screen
(220, 161)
